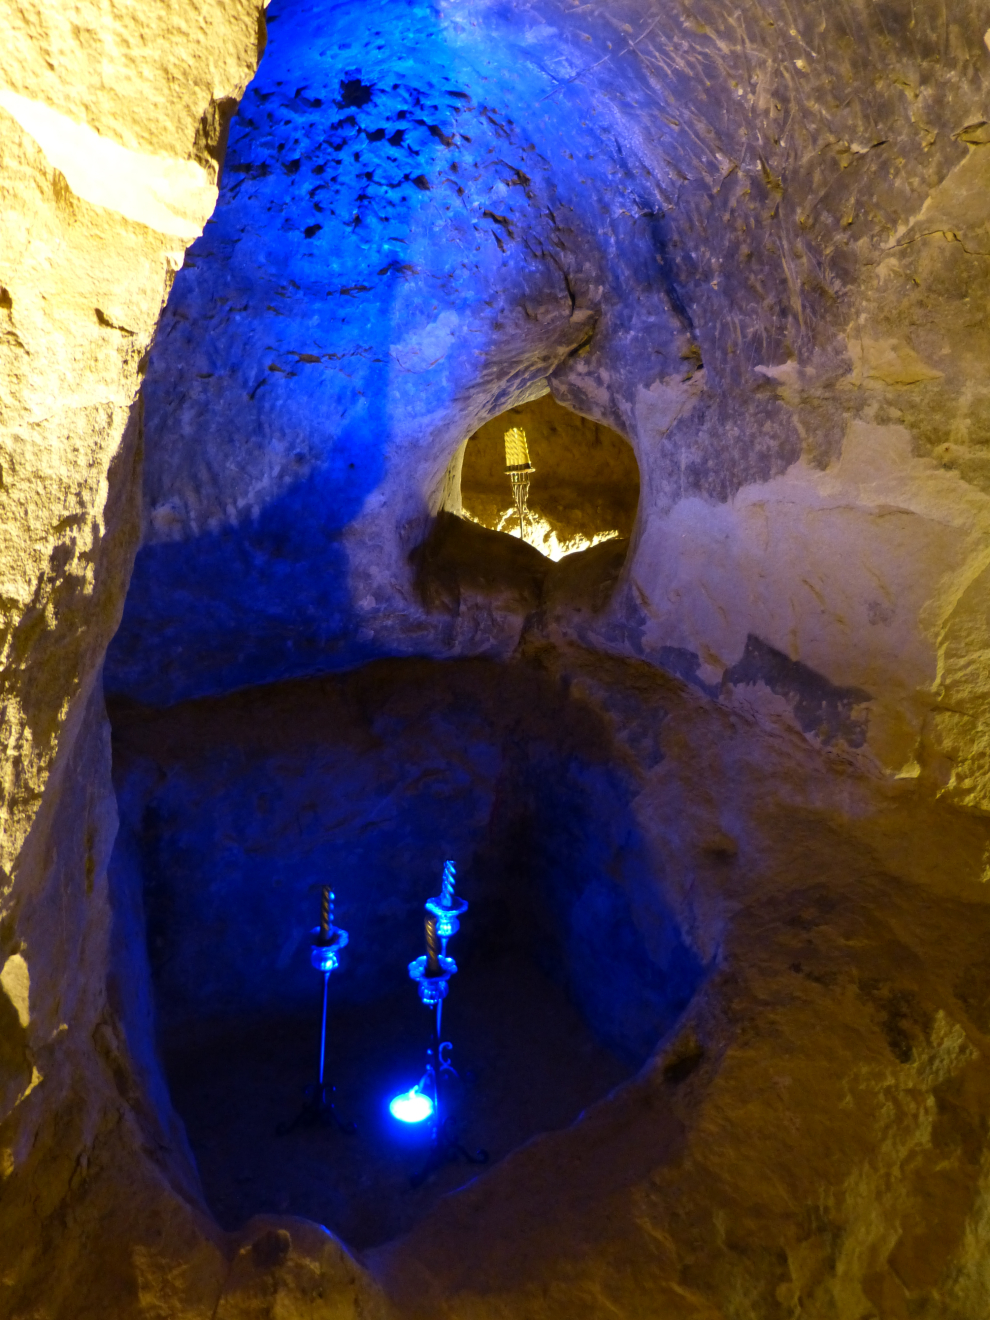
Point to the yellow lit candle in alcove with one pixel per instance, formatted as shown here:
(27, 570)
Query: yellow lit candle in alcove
(519, 468)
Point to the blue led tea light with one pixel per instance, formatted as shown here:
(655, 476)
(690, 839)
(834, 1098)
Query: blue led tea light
(413, 1106)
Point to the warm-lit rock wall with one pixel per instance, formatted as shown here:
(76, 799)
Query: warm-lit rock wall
(752, 242)
(98, 206)
(111, 121)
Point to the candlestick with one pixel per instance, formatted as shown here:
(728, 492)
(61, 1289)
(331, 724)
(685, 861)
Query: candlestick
(519, 469)
(328, 941)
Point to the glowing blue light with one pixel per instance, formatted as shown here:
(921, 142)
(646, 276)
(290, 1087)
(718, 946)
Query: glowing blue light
(411, 1107)
(324, 959)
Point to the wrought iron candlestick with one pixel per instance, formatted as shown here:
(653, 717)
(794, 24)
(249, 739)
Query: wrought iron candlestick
(432, 973)
(519, 470)
(447, 908)
(327, 943)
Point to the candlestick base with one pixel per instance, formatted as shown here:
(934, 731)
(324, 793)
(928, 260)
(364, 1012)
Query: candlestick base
(317, 1111)
(446, 1149)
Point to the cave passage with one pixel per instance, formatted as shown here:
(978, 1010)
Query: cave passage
(248, 775)
(585, 489)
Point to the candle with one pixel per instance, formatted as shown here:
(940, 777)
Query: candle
(517, 450)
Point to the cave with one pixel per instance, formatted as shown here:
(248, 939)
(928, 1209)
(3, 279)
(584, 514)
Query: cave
(701, 723)
(233, 813)
(238, 803)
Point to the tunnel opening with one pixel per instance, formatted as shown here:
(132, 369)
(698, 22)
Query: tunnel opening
(235, 809)
(584, 489)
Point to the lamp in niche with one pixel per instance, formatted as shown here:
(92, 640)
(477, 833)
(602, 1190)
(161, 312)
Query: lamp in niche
(519, 469)
(328, 941)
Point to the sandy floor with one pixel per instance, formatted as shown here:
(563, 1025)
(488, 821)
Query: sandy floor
(528, 1064)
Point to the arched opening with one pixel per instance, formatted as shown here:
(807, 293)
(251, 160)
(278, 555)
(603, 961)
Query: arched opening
(584, 490)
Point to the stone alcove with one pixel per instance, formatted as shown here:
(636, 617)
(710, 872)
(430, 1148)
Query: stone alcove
(585, 489)
(295, 550)
(235, 808)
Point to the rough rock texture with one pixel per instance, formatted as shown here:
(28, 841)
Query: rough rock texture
(810, 1138)
(752, 241)
(726, 237)
(111, 122)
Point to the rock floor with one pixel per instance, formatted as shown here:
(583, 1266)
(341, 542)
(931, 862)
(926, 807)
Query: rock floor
(529, 1063)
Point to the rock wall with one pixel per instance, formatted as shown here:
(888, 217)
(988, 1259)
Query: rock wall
(695, 238)
(111, 128)
(753, 243)
(811, 1132)
(234, 810)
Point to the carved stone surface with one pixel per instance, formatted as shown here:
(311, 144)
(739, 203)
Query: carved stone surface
(754, 242)
(723, 237)
(109, 124)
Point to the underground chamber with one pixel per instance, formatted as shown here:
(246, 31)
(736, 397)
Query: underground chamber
(326, 670)
(236, 810)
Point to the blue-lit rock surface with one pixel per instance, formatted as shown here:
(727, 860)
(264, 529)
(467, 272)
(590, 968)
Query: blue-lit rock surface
(682, 224)
(394, 260)
(753, 241)
(235, 811)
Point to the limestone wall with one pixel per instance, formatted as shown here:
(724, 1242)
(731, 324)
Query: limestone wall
(110, 126)
(752, 242)
(765, 285)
